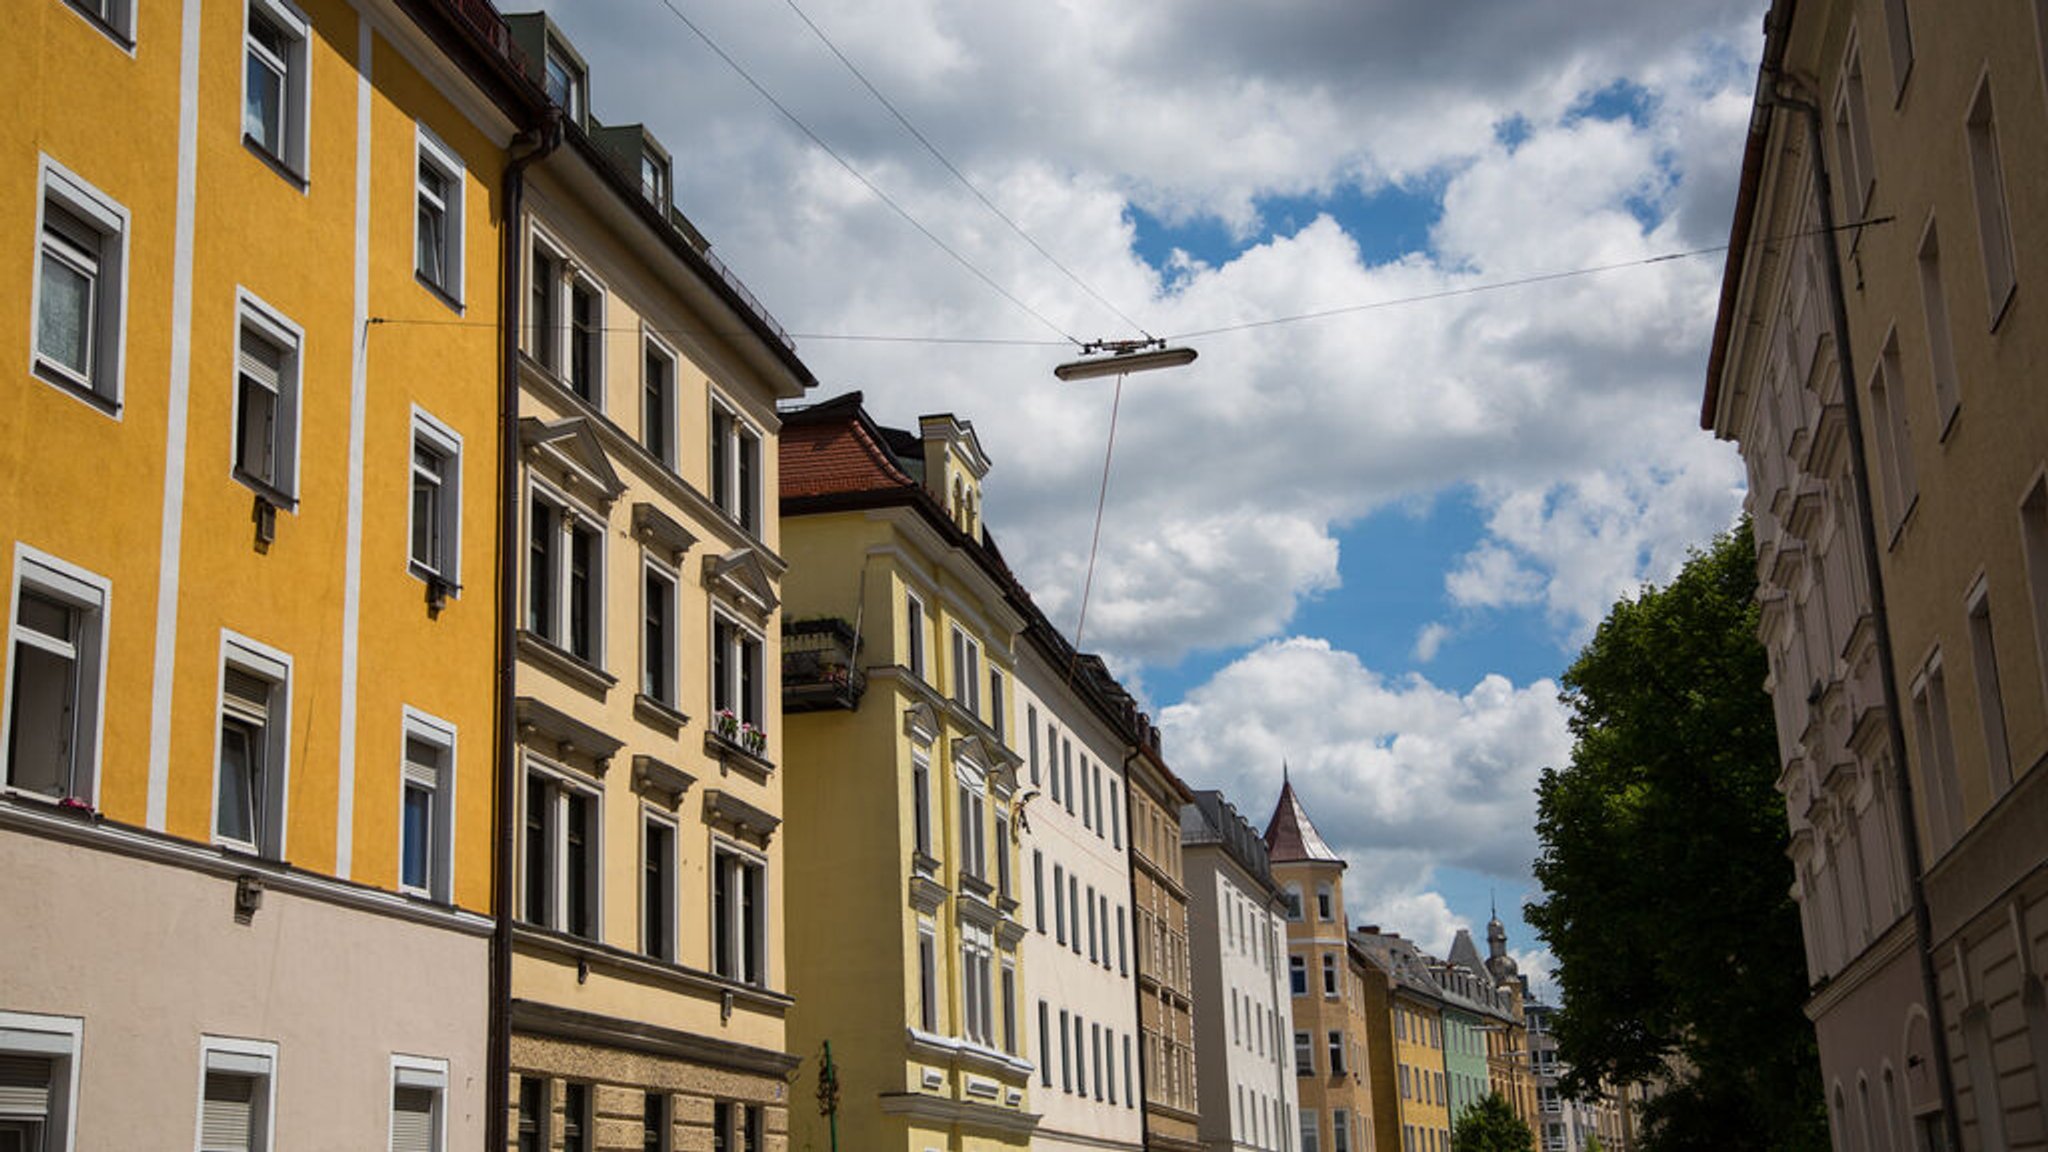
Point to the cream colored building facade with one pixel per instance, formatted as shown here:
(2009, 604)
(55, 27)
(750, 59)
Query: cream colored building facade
(1880, 382)
(649, 987)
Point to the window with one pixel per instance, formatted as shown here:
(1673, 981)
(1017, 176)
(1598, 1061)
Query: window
(1937, 748)
(1002, 854)
(735, 1127)
(656, 1126)
(274, 84)
(736, 467)
(1095, 1055)
(1326, 906)
(437, 225)
(563, 80)
(1088, 795)
(1329, 974)
(1336, 1053)
(1044, 1044)
(236, 1097)
(658, 888)
(586, 340)
(1116, 824)
(1031, 737)
(1059, 903)
(1123, 955)
(1304, 1054)
(561, 855)
(418, 1088)
(1297, 975)
(977, 948)
(533, 1114)
(1066, 1056)
(1130, 1097)
(1080, 1059)
(2034, 543)
(967, 672)
(1074, 906)
(1990, 699)
(1311, 1131)
(1010, 1008)
(1104, 903)
(1291, 899)
(1894, 434)
(973, 818)
(913, 628)
(436, 530)
(1852, 136)
(426, 807)
(543, 308)
(736, 671)
(116, 18)
(996, 704)
(654, 179)
(658, 402)
(81, 288)
(921, 799)
(1067, 754)
(577, 1122)
(251, 761)
(1940, 342)
(1994, 225)
(1340, 1131)
(658, 633)
(38, 1081)
(565, 576)
(739, 916)
(266, 449)
(1038, 888)
(55, 679)
(927, 978)
(1092, 939)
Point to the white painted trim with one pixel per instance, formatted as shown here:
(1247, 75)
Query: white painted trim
(252, 311)
(430, 1073)
(177, 401)
(564, 779)
(442, 734)
(91, 586)
(446, 440)
(650, 814)
(568, 509)
(358, 401)
(298, 157)
(274, 665)
(239, 1054)
(454, 212)
(111, 219)
(66, 1039)
(673, 658)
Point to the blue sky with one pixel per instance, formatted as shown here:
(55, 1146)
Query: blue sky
(1293, 514)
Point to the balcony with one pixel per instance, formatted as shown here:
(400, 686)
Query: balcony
(819, 666)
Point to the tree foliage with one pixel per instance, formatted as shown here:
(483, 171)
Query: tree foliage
(1666, 887)
(1490, 1125)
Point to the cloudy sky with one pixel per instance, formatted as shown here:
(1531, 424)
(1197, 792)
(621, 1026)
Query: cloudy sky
(1365, 544)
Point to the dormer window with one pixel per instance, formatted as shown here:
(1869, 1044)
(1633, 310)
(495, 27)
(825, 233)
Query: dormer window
(565, 82)
(654, 179)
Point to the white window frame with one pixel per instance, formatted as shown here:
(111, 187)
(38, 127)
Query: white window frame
(668, 451)
(667, 662)
(914, 618)
(570, 515)
(928, 976)
(977, 985)
(101, 387)
(1991, 710)
(560, 783)
(116, 23)
(445, 442)
(579, 277)
(555, 330)
(430, 729)
(578, 77)
(427, 1074)
(253, 1058)
(966, 651)
(742, 634)
(447, 164)
(297, 88)
(752, 935)
(60, 1040)
(973, 804)
(90, 595)
(1994, 207)
(730, 433)
(272, 326)
(260, 660)
(667, 949)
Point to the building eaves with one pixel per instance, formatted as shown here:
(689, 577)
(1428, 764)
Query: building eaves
(476, 38)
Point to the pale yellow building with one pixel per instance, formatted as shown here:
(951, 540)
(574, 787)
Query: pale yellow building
(906, 886)
(1160, 906)
(248, 506)
(649, 990)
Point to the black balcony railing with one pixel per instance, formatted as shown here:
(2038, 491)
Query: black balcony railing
(821, 666)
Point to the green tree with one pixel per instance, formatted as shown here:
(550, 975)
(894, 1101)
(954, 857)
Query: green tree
(1490, 1125)
(1665, 881)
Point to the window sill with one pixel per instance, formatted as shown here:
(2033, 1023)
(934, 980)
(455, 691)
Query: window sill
(453, 301)
(731, 754)
(566, 664)
(275, 163)
(65, 381)
(659, 714)
(278, 498)
(605, 957)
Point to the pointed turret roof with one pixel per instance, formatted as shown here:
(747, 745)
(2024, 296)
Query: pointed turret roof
(1290, 836)
(1465, 953)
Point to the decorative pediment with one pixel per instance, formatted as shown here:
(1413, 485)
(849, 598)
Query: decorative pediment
(990, 756)
(657, 530)
(741, 577)
(561, 735)
(921, 723)
(570, 451)
(724, 810)
(664, 782)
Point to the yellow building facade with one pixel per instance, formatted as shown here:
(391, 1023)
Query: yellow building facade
(1166, 1004)
(246, 486)
(649, 984)
(904, 879)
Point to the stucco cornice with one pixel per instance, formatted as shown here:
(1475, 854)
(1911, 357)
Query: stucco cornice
(536, 1019)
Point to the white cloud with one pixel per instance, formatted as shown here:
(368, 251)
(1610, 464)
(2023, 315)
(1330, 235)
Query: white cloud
(1400, 775)
(1423, 917)
(1233, 478)
(1541, 968)
(1430, 640)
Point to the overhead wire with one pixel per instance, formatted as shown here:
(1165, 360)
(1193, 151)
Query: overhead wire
(960, 176)
(1095, 539)
(856, 173)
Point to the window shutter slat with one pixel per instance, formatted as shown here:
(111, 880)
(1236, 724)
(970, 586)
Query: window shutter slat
(422, 762)
(412, 1120)
(225, 1121)
(261, 360)
(24, 1086)
(247, 689)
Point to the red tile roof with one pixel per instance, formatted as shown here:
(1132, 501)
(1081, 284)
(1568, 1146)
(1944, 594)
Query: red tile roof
(833, 449)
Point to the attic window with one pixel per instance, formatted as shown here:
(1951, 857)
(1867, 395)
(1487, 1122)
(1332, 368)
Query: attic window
(654, 179)
(565, 82)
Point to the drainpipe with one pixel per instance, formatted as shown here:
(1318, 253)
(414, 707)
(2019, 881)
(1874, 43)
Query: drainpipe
(1789, 92)
(526, 148)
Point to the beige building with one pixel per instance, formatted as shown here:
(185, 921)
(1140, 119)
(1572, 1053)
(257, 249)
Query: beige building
(1159, 897)
(1881, 382)
(648, 982)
